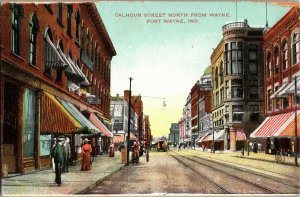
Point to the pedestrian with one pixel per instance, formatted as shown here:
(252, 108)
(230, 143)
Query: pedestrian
(52, 159)
(86, 150)
(58, 154)
(67, 155)
(111, 150)
(179, 147)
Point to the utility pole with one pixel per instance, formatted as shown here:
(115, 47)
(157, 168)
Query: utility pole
(129, 114)
(296, 134)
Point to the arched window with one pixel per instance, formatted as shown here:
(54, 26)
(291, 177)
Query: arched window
(276, 60)
(17, 12)
(268, 66)
(284, 55)
(48, 52)
(295, 47)
(34, 27)
(69, 17)
(77, 24)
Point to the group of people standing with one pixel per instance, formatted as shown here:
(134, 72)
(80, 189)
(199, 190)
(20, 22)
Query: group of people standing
(61, 156)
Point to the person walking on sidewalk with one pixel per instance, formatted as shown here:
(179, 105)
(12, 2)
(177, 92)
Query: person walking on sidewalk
(86, 150)
(58, 154)
(67, 155)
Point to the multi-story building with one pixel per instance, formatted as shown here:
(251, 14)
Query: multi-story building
(237, 84)
(182, 128)
(282, 70)
(55, 79)
(119, 118)
(174, 133)
(137, 105)
(188, 120)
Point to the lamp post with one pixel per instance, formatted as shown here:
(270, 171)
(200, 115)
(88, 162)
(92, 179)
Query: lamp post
(296, 134)
(128, 132)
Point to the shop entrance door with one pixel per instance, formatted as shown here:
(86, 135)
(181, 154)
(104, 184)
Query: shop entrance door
(10, 127)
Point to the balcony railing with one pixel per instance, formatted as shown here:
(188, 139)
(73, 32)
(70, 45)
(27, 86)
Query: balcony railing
(234, 25)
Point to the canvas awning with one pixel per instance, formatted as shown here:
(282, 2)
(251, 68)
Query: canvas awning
(218, 136)
(132, 136)
(118, 139)
(278, 92)
(272, 125)
(87, 125)
(94, 119)
(55, 118)
(204, 137)
(240, 135)
(289, 130)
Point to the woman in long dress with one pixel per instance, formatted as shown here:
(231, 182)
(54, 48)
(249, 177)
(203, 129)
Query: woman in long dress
(86, 150)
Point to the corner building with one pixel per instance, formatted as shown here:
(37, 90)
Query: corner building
(55, 80)
(237, 76)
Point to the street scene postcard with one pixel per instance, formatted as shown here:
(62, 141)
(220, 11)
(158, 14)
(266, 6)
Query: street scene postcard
(150, 98)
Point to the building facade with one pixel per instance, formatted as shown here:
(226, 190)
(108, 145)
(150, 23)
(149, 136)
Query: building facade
(56, 66)
(174, 133)
(237, 84)
(282, 70)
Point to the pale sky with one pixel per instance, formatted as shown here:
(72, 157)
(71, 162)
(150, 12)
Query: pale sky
(166, 60)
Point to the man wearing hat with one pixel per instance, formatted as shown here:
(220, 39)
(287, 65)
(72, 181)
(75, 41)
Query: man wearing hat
(58, 154)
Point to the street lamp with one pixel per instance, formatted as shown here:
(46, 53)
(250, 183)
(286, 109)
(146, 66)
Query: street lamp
(128, 132)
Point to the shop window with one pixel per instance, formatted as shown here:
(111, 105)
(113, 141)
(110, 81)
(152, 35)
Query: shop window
(237, 88)
(284, 55)
(17, 13)
(253, 59)
(276, 60)
(34, 26)
(295, 47)
(45, 145)
(237, 113)
(29, 103)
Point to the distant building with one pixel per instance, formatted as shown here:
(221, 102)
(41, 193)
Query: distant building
(174, 133)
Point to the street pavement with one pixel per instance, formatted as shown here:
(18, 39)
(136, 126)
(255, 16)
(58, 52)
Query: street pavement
(41, 183)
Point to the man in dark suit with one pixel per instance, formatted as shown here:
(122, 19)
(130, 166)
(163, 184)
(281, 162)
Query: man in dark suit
(58, 154)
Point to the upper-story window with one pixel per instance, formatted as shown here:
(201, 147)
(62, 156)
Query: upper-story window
(34, 27)
(221, 73)
(59, 13)
(276, 100)
(59, 72)
(77, 24)
(253, 89)
(268, 66)
(216, 78)
(295, 47)
(254, 110)
(227, 57)
(237, 113)
(284, 55)
(253, 59)
(48, 53)
(17, 13)
(269, 101)
(69, 17)
(227, 94)
(276, 60)
(237, 88)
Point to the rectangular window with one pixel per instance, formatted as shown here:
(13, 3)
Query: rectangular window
(29, 104)
(227, 58)
(222, 95)
(269, 100)
(253, 59)
(240, 58)
(69, 15)
(276, 61)
(227, 96)
(285, 103)
(277, 103)
(237, 88)
(285, 56)
(253, 89)
(237, 113)
(15, 35)
(254, 110)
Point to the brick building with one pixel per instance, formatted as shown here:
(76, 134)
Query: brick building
(281, 66)
(55, 79)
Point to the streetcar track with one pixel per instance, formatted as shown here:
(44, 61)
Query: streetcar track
(236, 177)
(208, 180)
(287, 175)
(253, 172)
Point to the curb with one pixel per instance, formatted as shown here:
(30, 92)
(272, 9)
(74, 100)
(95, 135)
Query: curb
(83, 191)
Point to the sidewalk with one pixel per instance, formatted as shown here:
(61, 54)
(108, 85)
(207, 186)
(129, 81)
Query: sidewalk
(73, 182)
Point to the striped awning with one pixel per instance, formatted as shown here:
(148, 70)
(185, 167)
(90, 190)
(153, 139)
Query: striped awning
(272, 125)
(94, 119)
(240, 135)
(55, 118)
(132, 136)
(86, 124)
(204, 137)
(118, 139)
(289, 130)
